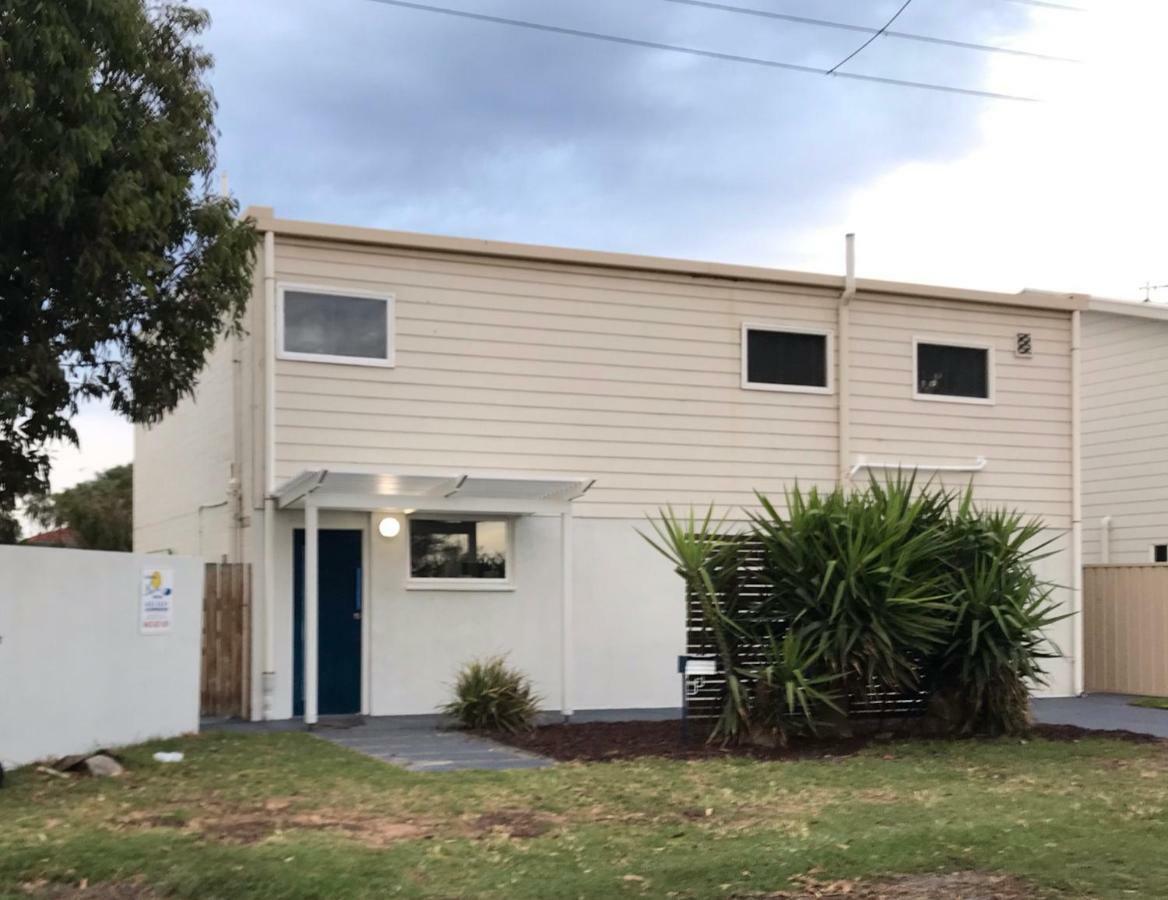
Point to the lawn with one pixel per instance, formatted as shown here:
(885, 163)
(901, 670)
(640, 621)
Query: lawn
(287, 815)
(1151, 702)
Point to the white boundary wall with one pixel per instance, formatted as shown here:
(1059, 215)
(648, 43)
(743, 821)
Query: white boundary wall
(76, 670)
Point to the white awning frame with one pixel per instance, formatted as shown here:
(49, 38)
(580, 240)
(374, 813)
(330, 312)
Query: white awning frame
(428, 493)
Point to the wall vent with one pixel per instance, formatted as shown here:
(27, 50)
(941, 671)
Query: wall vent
(1024, 345)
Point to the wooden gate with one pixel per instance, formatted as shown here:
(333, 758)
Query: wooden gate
(225, 684)
(1125, 629)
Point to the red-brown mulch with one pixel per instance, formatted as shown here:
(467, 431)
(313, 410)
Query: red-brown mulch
(608, 741)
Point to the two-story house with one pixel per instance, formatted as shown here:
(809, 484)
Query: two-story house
(431, 449)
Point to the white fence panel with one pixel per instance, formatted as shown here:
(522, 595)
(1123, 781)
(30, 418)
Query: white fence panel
(96, 650)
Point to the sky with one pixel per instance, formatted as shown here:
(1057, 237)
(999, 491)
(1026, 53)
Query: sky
(364, 113)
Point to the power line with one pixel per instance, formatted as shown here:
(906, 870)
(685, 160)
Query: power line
(864, 46)
(694, 51)
(865, 29)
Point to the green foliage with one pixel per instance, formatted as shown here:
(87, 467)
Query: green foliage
(707, 560)
(99, 510)
(892, 588)
(793, 690)
(489, 695)
(118, 266)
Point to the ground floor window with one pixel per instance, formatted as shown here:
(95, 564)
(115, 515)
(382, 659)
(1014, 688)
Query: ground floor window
(449, 549)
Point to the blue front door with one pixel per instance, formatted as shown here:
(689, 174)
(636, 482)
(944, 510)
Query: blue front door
(339, 622)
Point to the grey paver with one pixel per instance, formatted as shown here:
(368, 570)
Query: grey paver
(417, 743)
(1104, 712)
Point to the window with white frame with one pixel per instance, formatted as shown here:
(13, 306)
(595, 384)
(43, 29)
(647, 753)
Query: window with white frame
(468, 550)
(335, 326)
(952, 371)
(1160, 553)
(775, 358)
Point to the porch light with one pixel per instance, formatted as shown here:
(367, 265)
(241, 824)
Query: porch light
(389, 527)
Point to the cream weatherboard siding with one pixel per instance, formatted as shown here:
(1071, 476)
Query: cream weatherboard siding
(1125, 435)
(1024, 435)
(632, 379)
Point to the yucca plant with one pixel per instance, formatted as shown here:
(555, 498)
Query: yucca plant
(862, 576)
(707, 561)
(792, 691)
(1000, 610)
(489, 695)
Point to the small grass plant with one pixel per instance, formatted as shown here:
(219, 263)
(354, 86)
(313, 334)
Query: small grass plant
(490, 695)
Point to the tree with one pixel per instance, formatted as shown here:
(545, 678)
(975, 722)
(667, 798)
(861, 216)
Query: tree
(100, 510)
(118, 267)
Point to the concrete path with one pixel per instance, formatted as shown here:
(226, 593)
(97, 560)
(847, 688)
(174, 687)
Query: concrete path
(1105, 712)
(416, 743)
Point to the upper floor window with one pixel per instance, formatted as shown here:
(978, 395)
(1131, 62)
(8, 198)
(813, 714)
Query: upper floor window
(335, 326)
(785, 359)
(952, 371)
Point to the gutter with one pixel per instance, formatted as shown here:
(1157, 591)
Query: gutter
(846, 471)
(269, 598)
(1077, 678)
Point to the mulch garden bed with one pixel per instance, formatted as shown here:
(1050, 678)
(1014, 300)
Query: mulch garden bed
(608, 741)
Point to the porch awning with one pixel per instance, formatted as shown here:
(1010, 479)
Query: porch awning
(465, 492)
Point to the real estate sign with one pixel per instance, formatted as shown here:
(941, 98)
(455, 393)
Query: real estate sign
(156, 607)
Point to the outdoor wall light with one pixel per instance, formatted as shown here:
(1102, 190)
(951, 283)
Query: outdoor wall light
(389, 527)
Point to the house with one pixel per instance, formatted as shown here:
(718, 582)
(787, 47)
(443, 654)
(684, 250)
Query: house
(475, 431)
(1125, 433)
(56, 537)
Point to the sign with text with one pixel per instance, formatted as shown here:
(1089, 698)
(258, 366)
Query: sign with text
(156, 611)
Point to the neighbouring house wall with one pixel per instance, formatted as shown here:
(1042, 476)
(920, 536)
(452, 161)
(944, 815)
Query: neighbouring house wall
(76, 671)
(1125, 435)
(182, 467)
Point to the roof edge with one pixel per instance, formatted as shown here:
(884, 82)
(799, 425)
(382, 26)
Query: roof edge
(266, 220)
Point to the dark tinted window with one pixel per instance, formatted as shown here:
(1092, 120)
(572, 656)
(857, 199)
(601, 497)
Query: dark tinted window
(458, 549)
(953, 371)
(1160, 553)
(786, 358)
(335, 325)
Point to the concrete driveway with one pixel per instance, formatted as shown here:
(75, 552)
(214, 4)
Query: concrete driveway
(1104, 712)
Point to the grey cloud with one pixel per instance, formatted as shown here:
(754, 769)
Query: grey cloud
(360, 112)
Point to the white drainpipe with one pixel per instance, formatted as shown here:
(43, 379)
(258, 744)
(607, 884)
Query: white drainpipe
(1076, 504)
(842, 352)
(1105, 540)
(269, 599)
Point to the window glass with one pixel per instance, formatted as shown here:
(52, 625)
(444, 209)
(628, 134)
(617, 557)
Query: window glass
(336, 325)
(440, 549)
(1160, 553)
(950, 371)
(786, 358)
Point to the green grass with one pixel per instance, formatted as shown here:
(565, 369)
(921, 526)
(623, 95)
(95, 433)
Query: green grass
(288, 815)
(1150, 702)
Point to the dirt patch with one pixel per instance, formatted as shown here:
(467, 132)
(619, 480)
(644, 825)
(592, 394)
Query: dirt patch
(251, 827)
(607, 741)
(108, 890)
(516, 823)
(952, 886)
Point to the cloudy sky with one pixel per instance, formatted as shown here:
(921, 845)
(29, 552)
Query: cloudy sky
(366, 113)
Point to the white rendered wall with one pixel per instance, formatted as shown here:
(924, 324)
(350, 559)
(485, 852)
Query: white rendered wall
(629, 621)
(76, 674)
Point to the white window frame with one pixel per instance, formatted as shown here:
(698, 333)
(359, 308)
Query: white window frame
(778, 328)
(342, 292)
(1152, 552)
(461, 584)
(991, 373)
